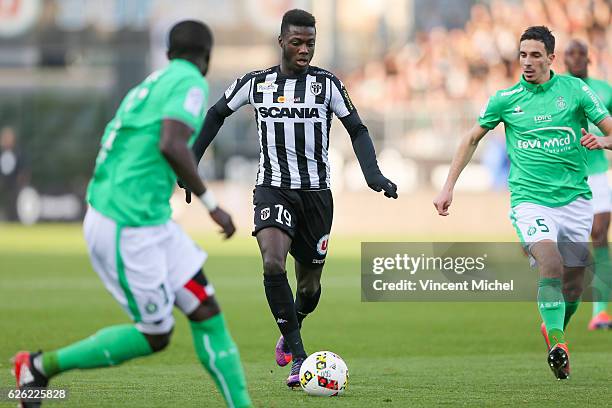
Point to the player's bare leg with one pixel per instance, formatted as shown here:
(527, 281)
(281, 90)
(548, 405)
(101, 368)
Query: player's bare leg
(551, 303)
(274, 245)
(602, 279)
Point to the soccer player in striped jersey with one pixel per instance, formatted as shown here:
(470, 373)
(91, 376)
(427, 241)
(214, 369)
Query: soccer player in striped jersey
(545, 116)
(576, 60)
(293, 104)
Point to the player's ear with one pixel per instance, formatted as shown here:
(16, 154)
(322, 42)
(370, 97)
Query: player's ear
(280, 40)
(551, 57)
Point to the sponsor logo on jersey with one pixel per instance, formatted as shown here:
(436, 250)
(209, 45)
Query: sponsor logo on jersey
(517, 110)
(291, 113)
(542, 118)
(267, 87)
(323, 244)
(552, 145)
(316, 88)
(281, 99)
(512, 92)
(561, 104)
(531, 230)
(281, 321)
(265, 213)
(318, 261)
(594, 98)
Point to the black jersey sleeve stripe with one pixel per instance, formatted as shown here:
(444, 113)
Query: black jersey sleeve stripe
(281, 154)
(267, 165)
(300, 151)
(341, 93)
(318, 154)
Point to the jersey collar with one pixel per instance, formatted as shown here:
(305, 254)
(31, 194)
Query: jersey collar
(536, 88)
(184, 63)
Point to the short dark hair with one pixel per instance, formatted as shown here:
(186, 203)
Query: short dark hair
(542, 34)
(189, 38)
(297, 17)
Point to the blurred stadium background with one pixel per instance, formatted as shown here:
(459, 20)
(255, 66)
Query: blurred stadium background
(418, 71)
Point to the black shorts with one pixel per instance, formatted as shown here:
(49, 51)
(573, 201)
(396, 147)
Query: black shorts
(305, 215)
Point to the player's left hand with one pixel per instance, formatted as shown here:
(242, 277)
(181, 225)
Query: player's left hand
(592, 142)
(381, 183)
(224, 220)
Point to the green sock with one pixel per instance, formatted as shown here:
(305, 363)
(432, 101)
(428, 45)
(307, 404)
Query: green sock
(570, 309)
(108, 347)
(219, 355)
(602, 279)
(552, 308)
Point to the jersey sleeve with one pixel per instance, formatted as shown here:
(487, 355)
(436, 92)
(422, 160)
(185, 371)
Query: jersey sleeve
(490, 114)
(593, 108)
(340, 102)
(187, 102)
(237, 94)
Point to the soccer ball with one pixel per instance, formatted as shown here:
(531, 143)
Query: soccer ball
(324, 374)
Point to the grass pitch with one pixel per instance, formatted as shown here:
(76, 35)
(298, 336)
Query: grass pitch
(399, 354)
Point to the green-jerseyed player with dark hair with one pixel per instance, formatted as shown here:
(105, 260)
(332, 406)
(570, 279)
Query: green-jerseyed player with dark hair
(545, 117)
(576, 60)
(145, 260)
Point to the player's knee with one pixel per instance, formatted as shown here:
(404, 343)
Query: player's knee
(273, 265)
(158, 342)
(308, 287)
(205, 310)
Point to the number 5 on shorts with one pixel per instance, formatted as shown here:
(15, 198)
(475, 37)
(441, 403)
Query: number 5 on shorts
(540, 223)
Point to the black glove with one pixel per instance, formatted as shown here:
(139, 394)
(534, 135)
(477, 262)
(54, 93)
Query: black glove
(380, 182)
(187, 191)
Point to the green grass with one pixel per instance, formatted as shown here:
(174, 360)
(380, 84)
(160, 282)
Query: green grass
(399, 354)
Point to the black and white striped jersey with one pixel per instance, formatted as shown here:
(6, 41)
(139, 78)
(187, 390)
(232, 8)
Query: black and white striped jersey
(293, 115)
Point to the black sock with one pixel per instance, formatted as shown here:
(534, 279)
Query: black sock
(280, 300)
(305, 304)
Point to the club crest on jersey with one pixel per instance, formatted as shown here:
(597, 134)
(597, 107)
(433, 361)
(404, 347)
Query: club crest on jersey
(265, 213)
(316, 88)
(322, 245)
(561, 104)
(267, 87)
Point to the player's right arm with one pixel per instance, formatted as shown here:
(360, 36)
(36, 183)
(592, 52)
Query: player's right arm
(462, 157)
(174, 147)
(490, 116)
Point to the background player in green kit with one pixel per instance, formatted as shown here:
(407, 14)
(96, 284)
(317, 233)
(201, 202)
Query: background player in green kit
(144, 259)
(544, 116)
(576, 60)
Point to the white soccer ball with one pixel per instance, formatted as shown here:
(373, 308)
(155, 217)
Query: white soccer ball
(324, 374)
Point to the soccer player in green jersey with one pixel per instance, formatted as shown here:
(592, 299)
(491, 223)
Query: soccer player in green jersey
(576, 60)
(545, 115)
(145, 259)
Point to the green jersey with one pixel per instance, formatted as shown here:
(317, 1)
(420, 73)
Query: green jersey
(132, 181)
(543, 122)
(596, 159)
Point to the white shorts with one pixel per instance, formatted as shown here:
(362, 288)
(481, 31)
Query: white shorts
(602, 201)
(142, 267)
(568, 225)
